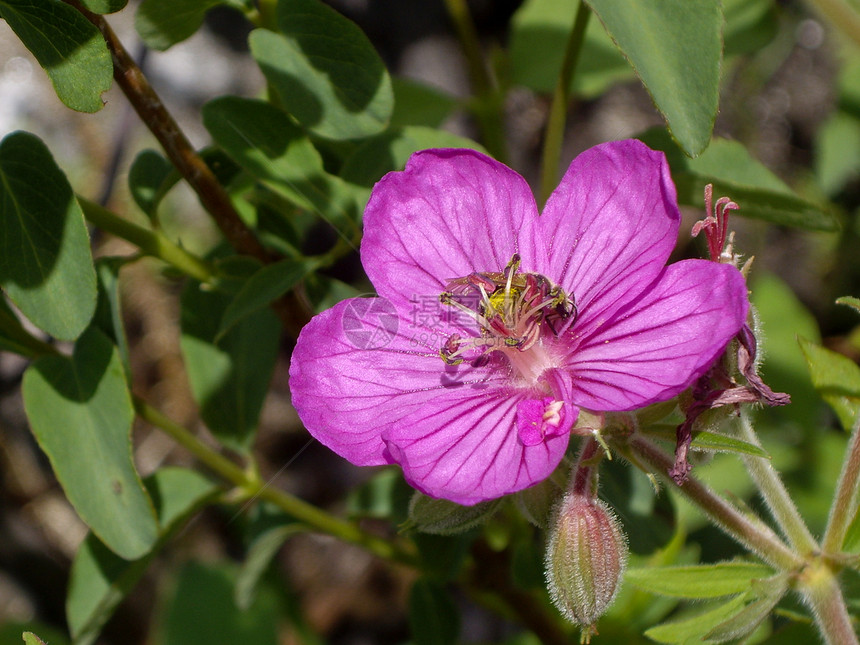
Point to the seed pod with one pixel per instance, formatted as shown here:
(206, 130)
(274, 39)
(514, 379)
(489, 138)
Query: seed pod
(585, 558)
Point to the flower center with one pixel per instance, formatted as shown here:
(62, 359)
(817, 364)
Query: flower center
(511, 309)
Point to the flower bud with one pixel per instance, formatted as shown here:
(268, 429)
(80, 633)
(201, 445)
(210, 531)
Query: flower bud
(585, 557)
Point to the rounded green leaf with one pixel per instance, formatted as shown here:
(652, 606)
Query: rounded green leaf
(149, 179)
(201, 611)
(80, 411)
(100, 579)
(229, 376)
(675, 47)
(46, 266)
(67, 45)
(163, 23)
(325, 71)
(104, 6)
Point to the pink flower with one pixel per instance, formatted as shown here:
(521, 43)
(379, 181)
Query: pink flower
(499, 324)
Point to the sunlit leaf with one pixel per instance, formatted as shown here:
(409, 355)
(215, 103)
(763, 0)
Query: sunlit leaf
(69, 47)
(46, 267)
(700, 581)
(80, 411)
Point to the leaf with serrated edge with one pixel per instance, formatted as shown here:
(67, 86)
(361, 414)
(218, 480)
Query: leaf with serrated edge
(699, 581)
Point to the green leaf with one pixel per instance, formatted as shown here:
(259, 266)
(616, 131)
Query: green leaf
(849, 301)
(693, 630)
(419, 104)
(384, 496)
(750, 25)
(163, 23)
(837, 379)
(764, 596)
(837, 155)
(266, 285)
(675, 47)
(325, 71)
(442, 517)
(699, 581)
(229, 377)
(733, 172)
(108, 317)
(31, 639)
(539, 33)
(46, 267)
(150, 177)
(100, 579)
(201, 611)
(709, 441)
(69, 47)
(80, 411)
(391, 150)
(260, 555)
(104, 6)
(433, 616)
(264, 141)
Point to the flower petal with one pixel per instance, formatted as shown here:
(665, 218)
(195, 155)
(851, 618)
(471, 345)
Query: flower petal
(448, 214)
(355, 371)
(465, 446)
(608, 228)
(659, 345)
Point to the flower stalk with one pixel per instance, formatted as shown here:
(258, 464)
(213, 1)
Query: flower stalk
(254, 488)
(775, 495)
(487, 107)
(820, 588)
(558, 110)
(845, 501)
(754, 536)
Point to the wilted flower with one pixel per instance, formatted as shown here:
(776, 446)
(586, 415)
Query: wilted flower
(501, 324)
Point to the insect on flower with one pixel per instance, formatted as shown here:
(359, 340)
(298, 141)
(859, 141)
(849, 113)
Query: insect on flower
(510, 321)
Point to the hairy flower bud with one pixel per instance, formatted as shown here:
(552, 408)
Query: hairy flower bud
(585, 557)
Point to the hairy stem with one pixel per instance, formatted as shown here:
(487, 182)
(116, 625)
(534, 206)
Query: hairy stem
(820, 588)
(558, 110)
(152, 243)
(256, 489)
(845, 501)
(775, 495)
(488, 104)
(754, 536)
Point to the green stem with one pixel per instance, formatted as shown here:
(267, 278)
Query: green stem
(254, 488)
(775, 495)
(845, 501)
(152, 243)
(13, 337)
(558, 110)
(488, 106)
(820, 587)
(754, 536)
(841, 15)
